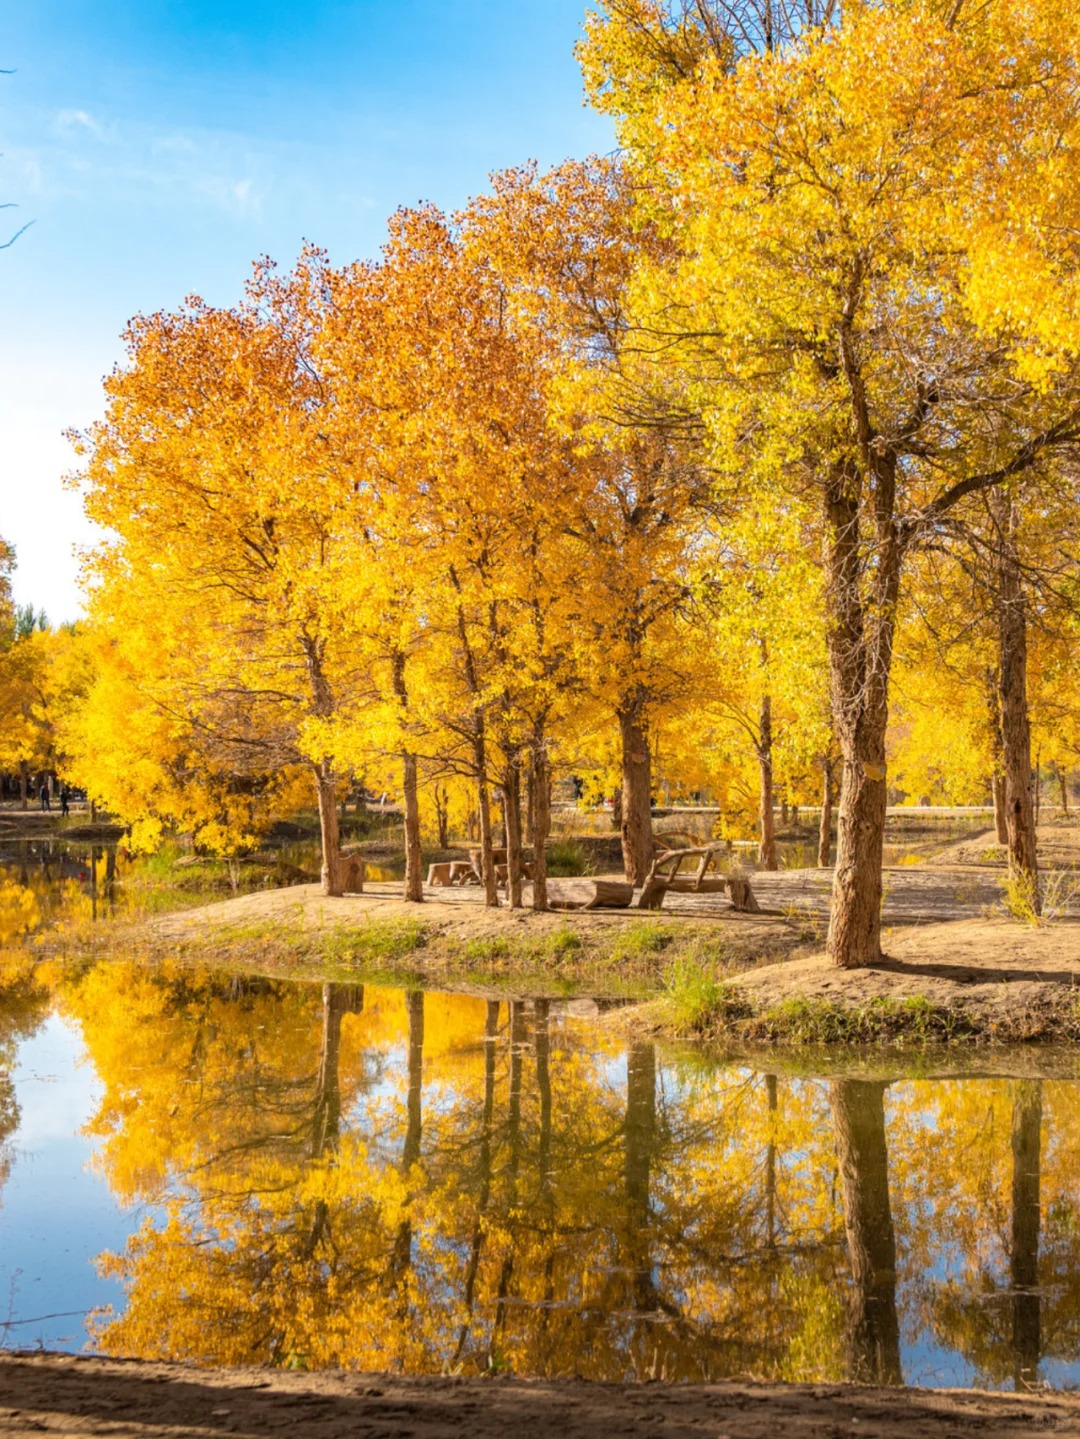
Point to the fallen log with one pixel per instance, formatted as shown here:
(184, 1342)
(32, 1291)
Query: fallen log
(589, 894)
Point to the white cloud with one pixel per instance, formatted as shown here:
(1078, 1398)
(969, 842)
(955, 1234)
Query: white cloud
(68, 121)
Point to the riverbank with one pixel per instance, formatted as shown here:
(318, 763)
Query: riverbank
(959, 969)
(65, 1395)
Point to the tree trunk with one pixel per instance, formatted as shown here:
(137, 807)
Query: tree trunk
(414, 859)
(487, 864)
(1015, 726)
(529, 808)
(337, 1001)
(540, 791)
(767, 847)
(24, 784)
(860, 642)
(873, 1337)
(483, 810)
(637, 837)
(512, 824)
(401, 1255)
(1064, 787)
(1026, 1220)
(616, 809)
(484, 1169)
(442, 816)
(783, 810)
(328, 830)
(824, 849)
(997, 785)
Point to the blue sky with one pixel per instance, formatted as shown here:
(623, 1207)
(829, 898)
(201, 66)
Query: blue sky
(160, 147)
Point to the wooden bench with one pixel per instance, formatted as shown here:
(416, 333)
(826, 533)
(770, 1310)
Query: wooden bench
(664, 875)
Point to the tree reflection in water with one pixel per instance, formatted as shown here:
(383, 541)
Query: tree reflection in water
(385, 1179)
(873, 1339)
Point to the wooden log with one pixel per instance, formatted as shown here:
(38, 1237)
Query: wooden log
(589, 894)
(742, 896)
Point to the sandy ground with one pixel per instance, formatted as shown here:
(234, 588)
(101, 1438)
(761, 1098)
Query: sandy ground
(458, 915)
(989, 965)
(963, 882)
(64, 1395)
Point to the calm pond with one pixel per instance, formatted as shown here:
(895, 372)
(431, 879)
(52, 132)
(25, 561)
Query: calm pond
(199, 1165)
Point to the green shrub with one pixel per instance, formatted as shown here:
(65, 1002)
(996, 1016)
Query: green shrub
(698, 1002)
(567, 858)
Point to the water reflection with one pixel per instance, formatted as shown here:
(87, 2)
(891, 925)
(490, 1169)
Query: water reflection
(340, 1175)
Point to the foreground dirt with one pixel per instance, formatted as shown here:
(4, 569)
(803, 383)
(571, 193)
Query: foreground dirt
(68, 1395)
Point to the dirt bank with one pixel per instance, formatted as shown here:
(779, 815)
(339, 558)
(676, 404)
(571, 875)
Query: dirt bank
(64, 1395)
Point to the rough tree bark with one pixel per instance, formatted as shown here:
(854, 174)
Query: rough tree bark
(540, 794)
(767, 846)
(479, 743)
(414, 859)
(873, 1336)
(860, 644)
(1063, 787)
(1012, 682)
(442, 816)
(636, 828)
(824, 850)
(322, 703)
(997, 787)
(511, 788)
(483, 810)
(329, 832)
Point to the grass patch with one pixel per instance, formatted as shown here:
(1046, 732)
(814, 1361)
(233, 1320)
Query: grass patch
(486, 951)
(820, 1021)
(639, 941)
(561, 944)
(376, 943)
